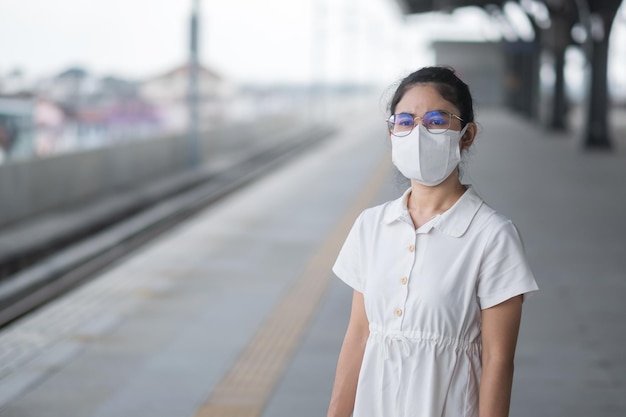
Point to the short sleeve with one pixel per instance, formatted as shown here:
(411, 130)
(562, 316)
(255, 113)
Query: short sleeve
(504, 271)
(348, 264)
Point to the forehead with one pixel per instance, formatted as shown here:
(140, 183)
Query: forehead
(421, 98)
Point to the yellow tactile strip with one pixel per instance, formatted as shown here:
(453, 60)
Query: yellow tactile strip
(245, 389)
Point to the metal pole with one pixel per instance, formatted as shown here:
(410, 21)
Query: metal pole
(319, 59)
(193, 145)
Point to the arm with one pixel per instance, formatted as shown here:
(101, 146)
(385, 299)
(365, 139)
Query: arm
(500, 327)
(350, 358)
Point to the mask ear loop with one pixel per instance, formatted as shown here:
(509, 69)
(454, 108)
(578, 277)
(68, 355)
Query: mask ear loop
(463, 131)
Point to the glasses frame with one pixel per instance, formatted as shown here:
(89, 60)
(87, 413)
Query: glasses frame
(408, 132)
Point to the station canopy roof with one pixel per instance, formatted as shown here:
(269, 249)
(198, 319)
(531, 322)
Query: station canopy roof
(423, 6)
(555, 6)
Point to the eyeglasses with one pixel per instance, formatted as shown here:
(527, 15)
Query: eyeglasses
(436, 121)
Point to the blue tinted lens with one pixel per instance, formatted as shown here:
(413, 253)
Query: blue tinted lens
(437, 119)
(403, 122)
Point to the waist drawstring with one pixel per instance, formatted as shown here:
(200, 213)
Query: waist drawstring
(393, 343)
(396, 342)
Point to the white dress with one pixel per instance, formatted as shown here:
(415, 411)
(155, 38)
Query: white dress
(424, 291)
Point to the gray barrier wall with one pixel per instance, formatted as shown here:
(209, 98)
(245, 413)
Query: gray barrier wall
(32, 187)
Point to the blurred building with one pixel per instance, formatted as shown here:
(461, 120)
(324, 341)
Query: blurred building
(16, 126)
(78, 110)
(14, 82)
(170, 93)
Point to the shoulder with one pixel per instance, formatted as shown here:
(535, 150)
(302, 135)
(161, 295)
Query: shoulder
(496, 232)
(384, 213)
(491, 221)
(374, 214)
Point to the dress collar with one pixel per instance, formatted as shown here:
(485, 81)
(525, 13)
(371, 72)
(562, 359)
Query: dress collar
(453, 222)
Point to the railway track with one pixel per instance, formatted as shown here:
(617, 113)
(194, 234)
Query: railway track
(47, 278)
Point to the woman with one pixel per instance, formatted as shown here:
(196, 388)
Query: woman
(438, 276)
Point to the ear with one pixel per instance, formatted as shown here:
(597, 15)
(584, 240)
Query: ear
(468, 136)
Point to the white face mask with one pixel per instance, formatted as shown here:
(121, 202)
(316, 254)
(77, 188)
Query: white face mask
(428, 158)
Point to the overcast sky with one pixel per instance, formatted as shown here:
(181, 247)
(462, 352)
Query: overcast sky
(245, 40)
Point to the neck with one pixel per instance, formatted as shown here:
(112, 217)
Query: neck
(434, 200)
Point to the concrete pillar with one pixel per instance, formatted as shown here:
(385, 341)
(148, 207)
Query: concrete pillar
(534, 90)
(559, 101)
(596, 135)
(599, 21)
(557, 40)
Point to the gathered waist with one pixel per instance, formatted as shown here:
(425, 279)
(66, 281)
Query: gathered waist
(408, 338)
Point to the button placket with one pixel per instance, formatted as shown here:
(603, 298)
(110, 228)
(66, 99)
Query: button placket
(410, 254)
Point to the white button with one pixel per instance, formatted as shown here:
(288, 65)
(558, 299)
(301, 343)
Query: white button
(404, 280)
(398, 312)
(411, 248)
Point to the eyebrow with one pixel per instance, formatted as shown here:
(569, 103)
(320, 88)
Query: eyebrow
(429, 111)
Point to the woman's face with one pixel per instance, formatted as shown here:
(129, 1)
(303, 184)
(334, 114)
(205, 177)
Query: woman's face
(422, 98)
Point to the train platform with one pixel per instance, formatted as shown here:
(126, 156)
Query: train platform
(235, 312)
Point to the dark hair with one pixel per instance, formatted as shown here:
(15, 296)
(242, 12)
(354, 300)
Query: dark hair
(446, 82)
